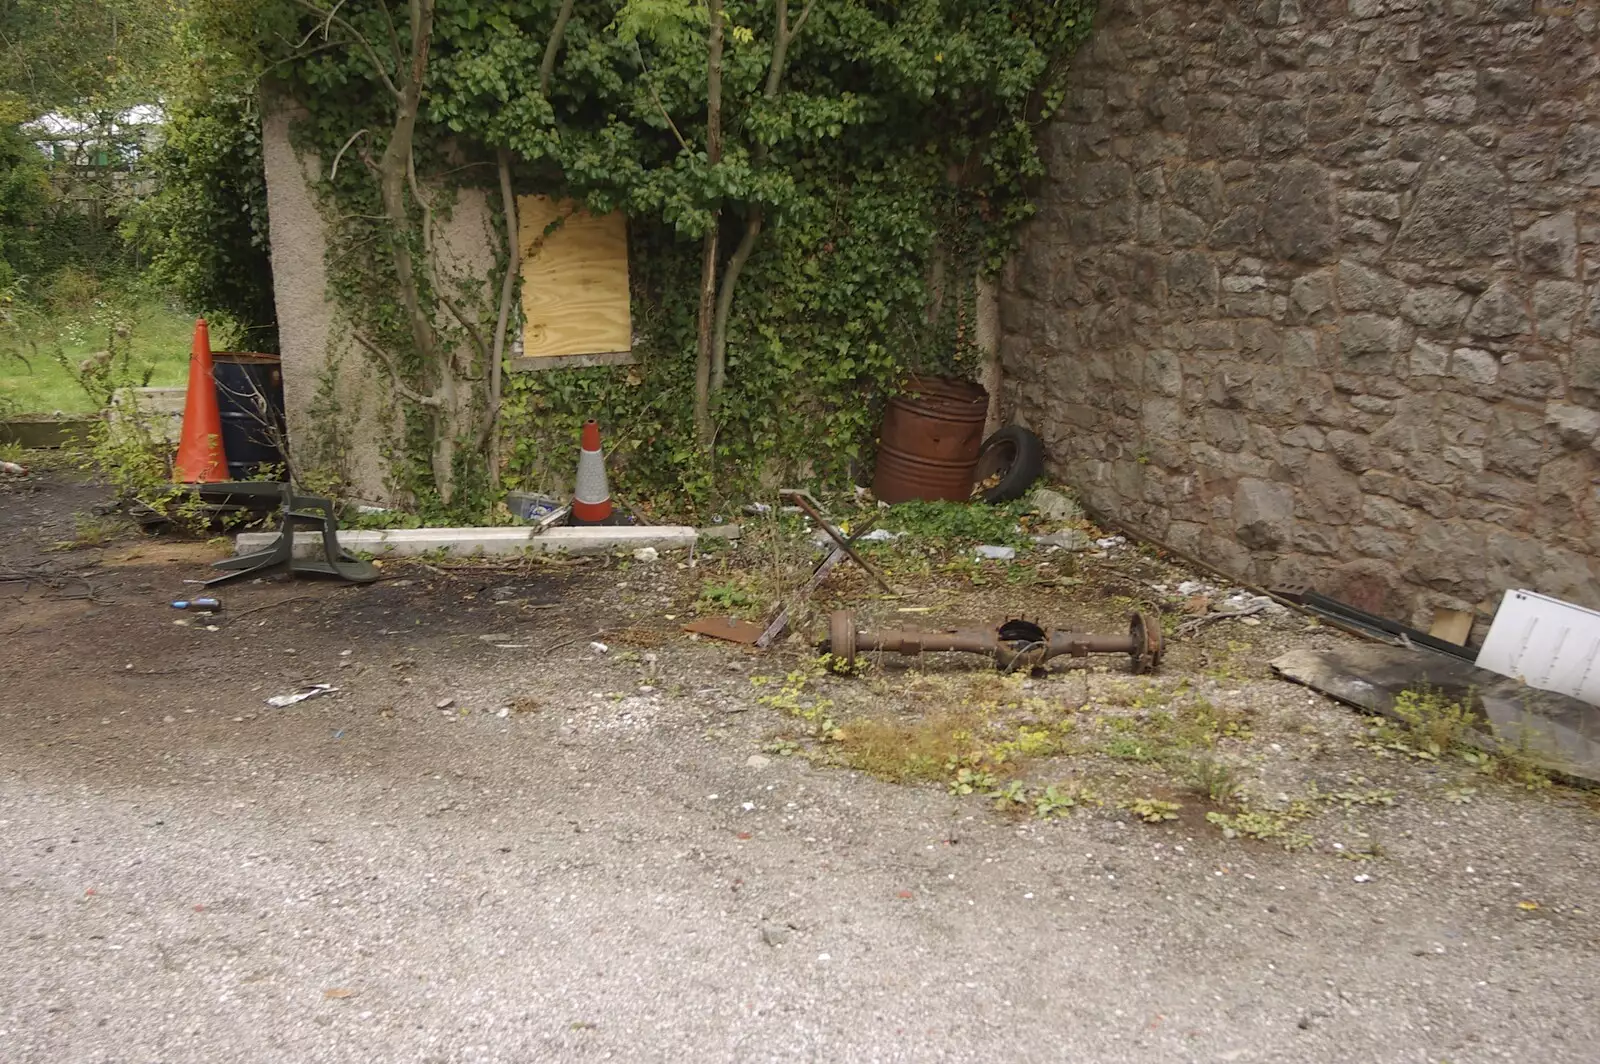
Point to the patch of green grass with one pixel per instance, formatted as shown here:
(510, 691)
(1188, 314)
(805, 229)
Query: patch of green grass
(957, 524)
(41, 352)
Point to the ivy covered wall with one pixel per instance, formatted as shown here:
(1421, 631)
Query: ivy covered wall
(884, 155)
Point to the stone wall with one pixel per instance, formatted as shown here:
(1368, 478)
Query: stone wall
(1315, 292)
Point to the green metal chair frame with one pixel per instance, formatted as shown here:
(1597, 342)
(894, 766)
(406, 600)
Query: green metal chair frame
(311, 511)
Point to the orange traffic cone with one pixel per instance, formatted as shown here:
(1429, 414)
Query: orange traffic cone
(591, 497)
(200, 455)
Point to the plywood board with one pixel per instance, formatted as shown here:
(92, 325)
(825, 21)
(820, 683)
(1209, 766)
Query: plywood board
(1453, 626)
(574, 281)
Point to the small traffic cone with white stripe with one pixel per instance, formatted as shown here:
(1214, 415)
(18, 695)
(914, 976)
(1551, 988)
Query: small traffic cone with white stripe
(591, 497)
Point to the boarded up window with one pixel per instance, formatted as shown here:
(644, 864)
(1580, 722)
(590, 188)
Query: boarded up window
(574, 285)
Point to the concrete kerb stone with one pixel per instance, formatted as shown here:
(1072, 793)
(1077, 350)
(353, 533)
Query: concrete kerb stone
(492, 542)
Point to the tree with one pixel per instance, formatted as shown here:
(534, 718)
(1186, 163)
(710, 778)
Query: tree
(441, 383)
(76, 54)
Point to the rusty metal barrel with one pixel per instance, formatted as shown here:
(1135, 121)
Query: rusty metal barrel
(928, 445)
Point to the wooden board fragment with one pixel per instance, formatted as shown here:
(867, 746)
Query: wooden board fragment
(1453, 626)
(574, 281)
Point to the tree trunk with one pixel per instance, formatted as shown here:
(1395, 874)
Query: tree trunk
(393, 169)
(783, 36)
(708, 265)
(730, 277)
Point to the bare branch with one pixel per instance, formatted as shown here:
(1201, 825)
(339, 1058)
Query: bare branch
(783, 36)
(466, 322)
(730, 278)
(431, 401)
(489, 436)
(431, 258)
(355, 34)
(639, 54)
(334, 172)
(805, 13)
(670, 123)
(394, 38)
(312, 32)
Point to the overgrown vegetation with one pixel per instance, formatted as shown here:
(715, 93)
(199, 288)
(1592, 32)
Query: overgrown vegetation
(1432, 726)
(812, 191)
(72, 73)
(130, 187)
(67, 347)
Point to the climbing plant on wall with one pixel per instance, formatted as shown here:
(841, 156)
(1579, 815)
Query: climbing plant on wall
(801, 234)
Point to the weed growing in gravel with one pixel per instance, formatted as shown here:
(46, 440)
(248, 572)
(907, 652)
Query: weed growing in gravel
(90, 531)
(1213, 779)
(1011, 796)
(1152, 810)
(908, 750)
(731, 595)
(1059, 799)
(973, 781)
(793, 698)
(1264, 825)
(1432, 726)
(957, 524)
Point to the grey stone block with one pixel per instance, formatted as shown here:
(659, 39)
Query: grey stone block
(1498, 313)
(1575, 426)
(1550, 245)
(1363, 288)
(1263, 513)
(1461, 214)
(1435, 307)
(1474, 364)
(1555, 308)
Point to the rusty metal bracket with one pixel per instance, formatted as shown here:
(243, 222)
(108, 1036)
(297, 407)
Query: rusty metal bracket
(818, 575)
(804, 500)
(1013, 644)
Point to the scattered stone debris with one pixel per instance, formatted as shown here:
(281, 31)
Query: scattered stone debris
(1067, 539)
(1052, 505)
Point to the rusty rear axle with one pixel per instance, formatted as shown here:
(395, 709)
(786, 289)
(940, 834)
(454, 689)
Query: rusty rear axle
(1014, 644)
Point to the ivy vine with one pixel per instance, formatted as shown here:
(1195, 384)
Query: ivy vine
(888, 168)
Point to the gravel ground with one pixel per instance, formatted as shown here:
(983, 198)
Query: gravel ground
(613, 870)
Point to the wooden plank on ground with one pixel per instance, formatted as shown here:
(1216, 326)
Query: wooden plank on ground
(574, 281)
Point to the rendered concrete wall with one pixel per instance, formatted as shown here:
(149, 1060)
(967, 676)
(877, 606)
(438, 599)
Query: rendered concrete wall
(1314, 292)
(342, 417)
